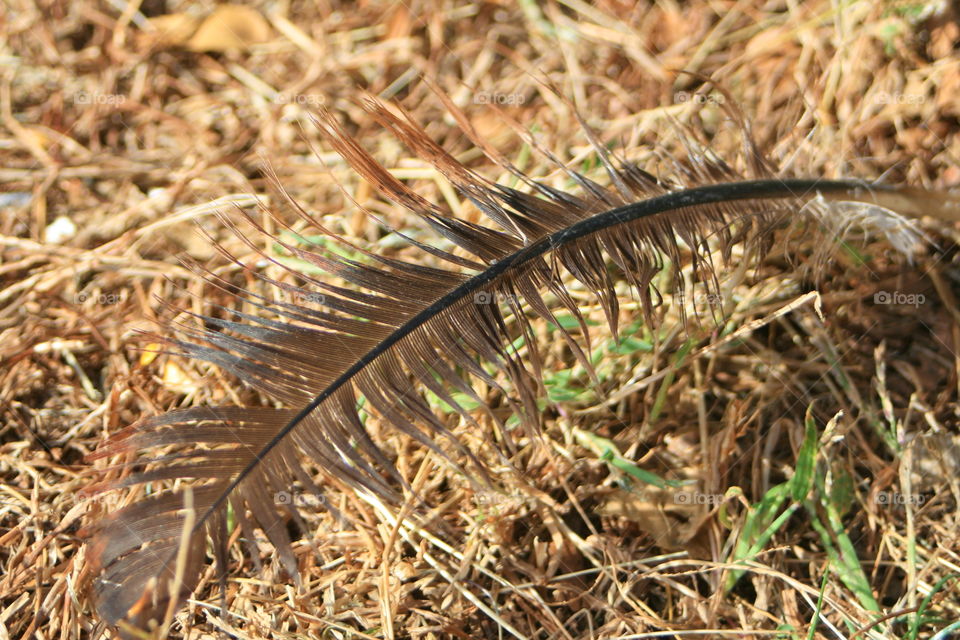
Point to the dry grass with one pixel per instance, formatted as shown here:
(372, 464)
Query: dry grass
(113, 145)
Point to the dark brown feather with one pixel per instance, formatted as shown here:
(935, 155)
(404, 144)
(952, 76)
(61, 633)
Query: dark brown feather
(404, 322)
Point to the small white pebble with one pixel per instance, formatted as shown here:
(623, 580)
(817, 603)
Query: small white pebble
(60, 230)
(160, 194)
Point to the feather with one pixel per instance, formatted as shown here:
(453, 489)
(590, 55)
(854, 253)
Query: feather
(401, 321)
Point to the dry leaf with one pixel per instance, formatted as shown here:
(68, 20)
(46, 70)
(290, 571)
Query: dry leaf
(150, 354)
(230, 27)
(174, 29)
(175, 379)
